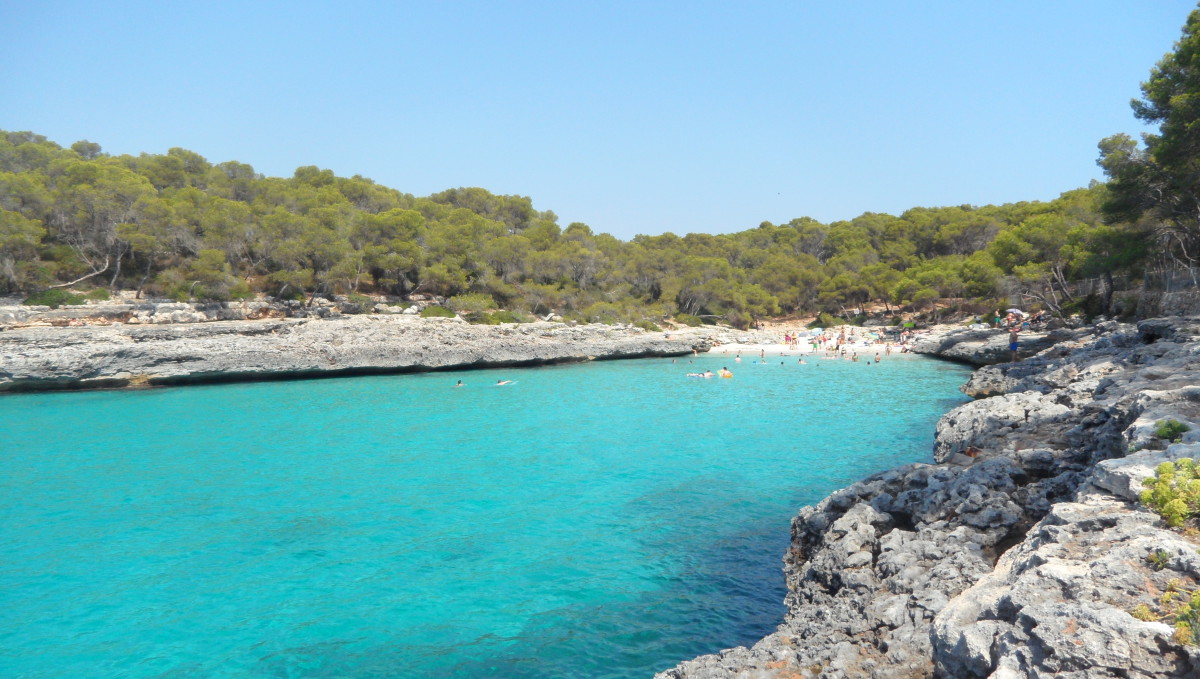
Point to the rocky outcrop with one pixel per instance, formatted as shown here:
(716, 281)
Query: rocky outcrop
(988, 346)
(1023, 550)
(124, 355)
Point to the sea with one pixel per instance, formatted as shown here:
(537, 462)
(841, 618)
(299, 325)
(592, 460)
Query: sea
(597, 520)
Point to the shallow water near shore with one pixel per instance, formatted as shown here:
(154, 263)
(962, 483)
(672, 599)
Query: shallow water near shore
(608, 519)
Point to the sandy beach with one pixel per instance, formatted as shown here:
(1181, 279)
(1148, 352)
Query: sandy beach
(767, 344)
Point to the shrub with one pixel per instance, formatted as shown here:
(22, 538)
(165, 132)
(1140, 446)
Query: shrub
(511, 317)
(1178, 608)
(471, 303)
(480, 318)
(689, 320)
(1174, 491)
(1170, 430)
(53, 298)
(99, 295)
(1159, 559)
(1142, 612)
(825, 320)
(241, 290)
(1187, 619)
(603, 312)
(648, 325)
(436, 311)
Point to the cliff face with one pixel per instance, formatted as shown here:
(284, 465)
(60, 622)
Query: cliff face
(1023, 550)
(124, 355)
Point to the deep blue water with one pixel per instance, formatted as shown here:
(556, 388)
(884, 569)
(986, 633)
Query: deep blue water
(598, 520)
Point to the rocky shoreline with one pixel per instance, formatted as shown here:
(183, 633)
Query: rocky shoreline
(1023, 550)
(123, 355)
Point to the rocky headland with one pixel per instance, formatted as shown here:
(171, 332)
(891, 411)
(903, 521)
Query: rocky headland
(121, 346)
(1023, 550)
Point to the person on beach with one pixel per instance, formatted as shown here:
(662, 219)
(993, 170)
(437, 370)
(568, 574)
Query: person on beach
(1013, 341)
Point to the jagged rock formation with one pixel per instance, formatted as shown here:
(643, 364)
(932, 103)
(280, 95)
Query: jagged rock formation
(124, 355)
(1023, 551)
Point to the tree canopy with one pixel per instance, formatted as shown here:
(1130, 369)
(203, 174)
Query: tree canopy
(1156, 185)
(177, 225)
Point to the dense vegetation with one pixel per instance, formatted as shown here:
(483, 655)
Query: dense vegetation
(177, 225)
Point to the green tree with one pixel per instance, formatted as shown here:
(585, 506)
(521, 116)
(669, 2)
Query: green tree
(1163, 178)
(19, 238)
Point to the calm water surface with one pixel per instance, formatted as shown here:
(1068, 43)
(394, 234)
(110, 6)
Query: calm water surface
(598, 520)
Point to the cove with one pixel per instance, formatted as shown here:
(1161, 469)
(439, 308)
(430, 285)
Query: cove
(607, 519)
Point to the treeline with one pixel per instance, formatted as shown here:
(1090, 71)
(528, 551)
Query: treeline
(177, 225)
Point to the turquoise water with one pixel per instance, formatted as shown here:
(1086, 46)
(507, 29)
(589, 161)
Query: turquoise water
(597, 520)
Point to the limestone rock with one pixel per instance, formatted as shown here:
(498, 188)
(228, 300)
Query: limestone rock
(171, 346)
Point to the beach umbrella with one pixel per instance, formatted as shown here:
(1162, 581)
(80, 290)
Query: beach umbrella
(1015, 311)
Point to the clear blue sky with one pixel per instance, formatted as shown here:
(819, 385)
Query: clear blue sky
(633, 117)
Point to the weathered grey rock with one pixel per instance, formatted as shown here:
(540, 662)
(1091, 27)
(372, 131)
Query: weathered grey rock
(1060, 603)
(984, 347)
(1124, 477)
(1005, 422)
(34, 358)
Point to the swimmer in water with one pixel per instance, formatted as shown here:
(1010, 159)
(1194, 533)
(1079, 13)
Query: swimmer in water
(725, 372)
(459, 383)
(501, 383)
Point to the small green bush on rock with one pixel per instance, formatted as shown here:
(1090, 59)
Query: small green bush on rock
(436, 311)
(473, 303)
(1174, 491)
(648, 325)
(511, 317)
(1170, 430)
(689, 320)
(826, 320)
(53, 298)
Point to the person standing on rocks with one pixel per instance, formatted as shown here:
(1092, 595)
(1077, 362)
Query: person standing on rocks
(1013, 341)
